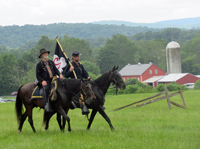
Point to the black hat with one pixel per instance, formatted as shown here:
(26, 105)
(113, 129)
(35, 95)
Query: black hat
(42, 51)
(75, 53)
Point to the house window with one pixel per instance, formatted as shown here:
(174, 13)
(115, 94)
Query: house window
(156, 72)
(150, 71)
(138, 79)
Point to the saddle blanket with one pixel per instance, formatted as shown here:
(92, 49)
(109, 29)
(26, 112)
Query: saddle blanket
(37, 93)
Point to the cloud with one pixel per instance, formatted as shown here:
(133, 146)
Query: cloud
(22, 12)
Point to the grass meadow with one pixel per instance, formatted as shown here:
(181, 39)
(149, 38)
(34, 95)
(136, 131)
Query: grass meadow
(153, 126)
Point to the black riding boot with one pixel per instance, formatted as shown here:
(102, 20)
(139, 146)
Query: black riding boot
(85, 110)
(72, 106)
(47, 105)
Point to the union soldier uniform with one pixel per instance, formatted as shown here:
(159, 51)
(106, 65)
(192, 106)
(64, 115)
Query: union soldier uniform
(80, 73)
(45, 71)
(79, 70)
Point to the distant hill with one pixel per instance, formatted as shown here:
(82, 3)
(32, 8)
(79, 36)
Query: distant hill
(16, 36)
(187, 23)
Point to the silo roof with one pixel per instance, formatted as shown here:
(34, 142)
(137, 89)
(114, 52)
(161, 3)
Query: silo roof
(173, 44)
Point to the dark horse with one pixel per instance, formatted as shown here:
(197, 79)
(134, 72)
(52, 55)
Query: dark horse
(100, 87)
(66, 88)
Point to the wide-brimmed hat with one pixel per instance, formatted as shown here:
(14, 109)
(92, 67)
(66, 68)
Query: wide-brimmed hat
(42, 51)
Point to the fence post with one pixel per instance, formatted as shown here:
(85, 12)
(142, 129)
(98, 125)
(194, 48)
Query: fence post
(167, 96)
(182, 98)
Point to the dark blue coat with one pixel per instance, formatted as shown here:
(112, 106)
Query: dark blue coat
(79, 70)
(42, 73)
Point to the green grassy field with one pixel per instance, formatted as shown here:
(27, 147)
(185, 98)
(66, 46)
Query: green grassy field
(151, 126)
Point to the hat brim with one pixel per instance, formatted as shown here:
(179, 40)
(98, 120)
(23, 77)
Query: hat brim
(43, 53)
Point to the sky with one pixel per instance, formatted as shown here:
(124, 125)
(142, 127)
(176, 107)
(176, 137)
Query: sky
(37, 12)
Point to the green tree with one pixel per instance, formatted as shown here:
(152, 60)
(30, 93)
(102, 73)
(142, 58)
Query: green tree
(117, 51)
(91, 67)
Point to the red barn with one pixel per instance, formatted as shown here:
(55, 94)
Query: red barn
(180, 78)
(141, 72)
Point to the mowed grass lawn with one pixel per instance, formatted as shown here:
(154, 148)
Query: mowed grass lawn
(151, 126)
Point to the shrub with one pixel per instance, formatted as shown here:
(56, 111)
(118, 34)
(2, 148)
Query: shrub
(132, 81)
(171, 87)
(197, 85)
(160, 87)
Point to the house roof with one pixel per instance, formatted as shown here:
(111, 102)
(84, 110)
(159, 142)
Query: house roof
(172, 77)
(134, 70)
(153, 79)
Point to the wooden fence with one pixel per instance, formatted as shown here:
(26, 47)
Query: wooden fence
(167, 96)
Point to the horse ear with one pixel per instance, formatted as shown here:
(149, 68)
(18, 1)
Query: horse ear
(113, 68)
(117, 67)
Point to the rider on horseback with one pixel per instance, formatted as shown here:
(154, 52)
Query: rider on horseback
(45, 71)
(80, 73)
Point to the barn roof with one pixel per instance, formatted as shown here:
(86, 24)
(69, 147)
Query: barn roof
(172, 77)
(134, 70)
(153, 79)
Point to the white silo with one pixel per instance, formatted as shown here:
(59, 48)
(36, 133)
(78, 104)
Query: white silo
(173, 53)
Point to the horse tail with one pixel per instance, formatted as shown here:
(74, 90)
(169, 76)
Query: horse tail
(18, 106)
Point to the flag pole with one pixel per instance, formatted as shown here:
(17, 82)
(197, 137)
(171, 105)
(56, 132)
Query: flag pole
(70, 65)
(66, 56)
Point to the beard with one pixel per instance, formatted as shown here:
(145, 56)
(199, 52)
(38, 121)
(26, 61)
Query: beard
(46, 57)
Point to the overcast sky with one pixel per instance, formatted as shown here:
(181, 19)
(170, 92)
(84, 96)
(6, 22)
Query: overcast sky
(20, 12)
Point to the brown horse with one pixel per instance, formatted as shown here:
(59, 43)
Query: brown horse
(66, 88)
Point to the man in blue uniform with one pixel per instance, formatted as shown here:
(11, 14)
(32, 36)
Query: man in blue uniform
(45, 71)
(80, 73)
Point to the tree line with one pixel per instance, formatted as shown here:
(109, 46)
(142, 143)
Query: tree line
(15, 36)
(17, 66)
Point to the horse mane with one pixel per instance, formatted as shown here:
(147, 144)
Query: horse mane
(101, 81)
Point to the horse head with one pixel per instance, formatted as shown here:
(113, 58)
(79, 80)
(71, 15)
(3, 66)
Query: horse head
(115, 77)
(86, 89)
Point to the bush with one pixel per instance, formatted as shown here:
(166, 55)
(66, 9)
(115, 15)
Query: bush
(160, 87)
(131, 81)
(171, 87)
(197, 85)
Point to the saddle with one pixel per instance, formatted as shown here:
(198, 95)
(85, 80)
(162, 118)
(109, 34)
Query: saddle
(38, 90)
(37, 93)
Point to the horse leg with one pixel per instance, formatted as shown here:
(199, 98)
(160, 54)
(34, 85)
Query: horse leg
(30, 119)
(106, 118)
(94, 112)
(23, 118)
(62, 112)
(47, 116)
(64, 120)
(59, 122)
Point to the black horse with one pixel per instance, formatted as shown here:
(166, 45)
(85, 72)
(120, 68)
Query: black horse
(66, 88)
(100, 87)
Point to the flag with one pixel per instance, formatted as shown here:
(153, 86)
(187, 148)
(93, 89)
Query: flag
(59, 59)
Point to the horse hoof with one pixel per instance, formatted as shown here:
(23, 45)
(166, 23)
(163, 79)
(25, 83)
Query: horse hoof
(44, 130)
(18, 131)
